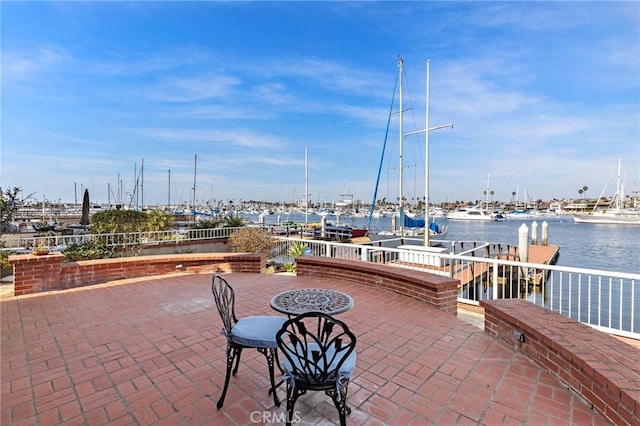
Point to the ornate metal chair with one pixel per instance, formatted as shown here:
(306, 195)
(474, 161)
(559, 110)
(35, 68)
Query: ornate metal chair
(319, 355)
(256, 332)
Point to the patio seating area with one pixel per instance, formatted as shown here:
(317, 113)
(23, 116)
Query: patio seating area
(150, 351)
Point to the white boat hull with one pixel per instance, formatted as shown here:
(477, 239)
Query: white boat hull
(618, 218)
(474, 214)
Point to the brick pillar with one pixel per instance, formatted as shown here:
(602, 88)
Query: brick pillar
(33, 274)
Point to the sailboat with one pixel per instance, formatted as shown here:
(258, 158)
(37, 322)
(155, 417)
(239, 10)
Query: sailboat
(517, 212)
(403, 224)
(616, 213)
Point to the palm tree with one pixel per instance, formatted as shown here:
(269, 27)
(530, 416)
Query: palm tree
(580, 191)
(584, 190)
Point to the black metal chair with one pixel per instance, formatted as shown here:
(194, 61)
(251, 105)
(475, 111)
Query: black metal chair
(319, 355)
(255, 332)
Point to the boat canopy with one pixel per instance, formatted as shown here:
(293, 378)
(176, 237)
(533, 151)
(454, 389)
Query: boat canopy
(411, 222)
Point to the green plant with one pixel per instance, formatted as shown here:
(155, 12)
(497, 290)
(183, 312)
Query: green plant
(297, 249)
(251, 240)
(88, 251)
(40, 248)
(158, 220)
(9, 203)
(4, 257)
(123, 221)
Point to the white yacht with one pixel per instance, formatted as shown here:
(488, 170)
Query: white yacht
(469, 213)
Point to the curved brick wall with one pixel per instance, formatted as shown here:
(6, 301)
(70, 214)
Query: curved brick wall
(436, 290)
(605, 371)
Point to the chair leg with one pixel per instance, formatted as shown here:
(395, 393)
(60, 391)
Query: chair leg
(292, 397)
(340, 401)
(239, 352)
(270, 354)
(345, 389)
(232, 352)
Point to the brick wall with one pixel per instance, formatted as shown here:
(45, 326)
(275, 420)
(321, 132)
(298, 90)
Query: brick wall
(33, 274)
(436, 290)
(599, 367)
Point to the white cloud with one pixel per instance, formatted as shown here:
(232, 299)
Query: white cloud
(189, 89)
(22, 65)
(231, 137)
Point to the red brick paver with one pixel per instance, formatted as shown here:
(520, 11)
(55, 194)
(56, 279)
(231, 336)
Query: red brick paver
(149, 351)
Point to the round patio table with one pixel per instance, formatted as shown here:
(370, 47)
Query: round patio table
(301, 300)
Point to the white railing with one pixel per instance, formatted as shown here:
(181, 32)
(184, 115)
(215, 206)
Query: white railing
(606, 300)
(60, 242)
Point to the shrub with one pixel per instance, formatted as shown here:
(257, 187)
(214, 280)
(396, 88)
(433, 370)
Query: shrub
(4, 257)
(122, 221)
(118, 221)
(297, 249)
(251, 240)
(158, 220)
(88, 251)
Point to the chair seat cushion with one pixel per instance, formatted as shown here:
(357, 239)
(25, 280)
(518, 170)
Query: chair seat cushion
(257, 331)
(345, 371)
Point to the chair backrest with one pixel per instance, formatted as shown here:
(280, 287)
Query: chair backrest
(225, 301)
(316, 346)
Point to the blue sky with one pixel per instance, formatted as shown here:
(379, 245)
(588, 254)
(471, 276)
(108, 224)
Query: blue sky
(544, 97)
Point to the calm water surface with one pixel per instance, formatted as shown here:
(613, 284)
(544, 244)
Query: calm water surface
(607, 247)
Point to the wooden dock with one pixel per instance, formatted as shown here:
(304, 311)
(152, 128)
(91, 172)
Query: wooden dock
(469, 273)
(544, 255)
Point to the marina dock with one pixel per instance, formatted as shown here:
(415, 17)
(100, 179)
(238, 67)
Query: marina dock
(477, 272)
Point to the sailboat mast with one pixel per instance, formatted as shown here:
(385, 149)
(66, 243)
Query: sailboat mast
(619, 189)
(426, 163)
(426, 130)
(401, 167)
(135, 184)
(306, 188)
(193, 200)
(142, 183)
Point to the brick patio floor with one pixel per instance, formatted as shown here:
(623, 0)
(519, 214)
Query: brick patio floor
(149, 351)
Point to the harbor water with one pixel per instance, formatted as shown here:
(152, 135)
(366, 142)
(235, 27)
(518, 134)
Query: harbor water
(606, 247)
